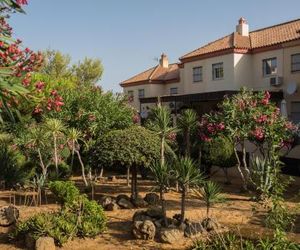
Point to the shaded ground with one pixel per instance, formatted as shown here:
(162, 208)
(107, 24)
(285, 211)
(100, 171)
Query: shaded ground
(236, 213)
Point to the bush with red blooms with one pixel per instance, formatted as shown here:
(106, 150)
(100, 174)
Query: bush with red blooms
(252, 117)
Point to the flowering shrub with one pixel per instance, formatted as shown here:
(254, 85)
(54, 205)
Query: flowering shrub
(249, 116)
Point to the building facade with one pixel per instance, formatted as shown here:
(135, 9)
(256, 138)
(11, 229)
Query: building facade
(264, 59)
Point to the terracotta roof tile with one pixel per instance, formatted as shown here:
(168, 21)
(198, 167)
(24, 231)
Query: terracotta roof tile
(276, 34)
(157, 74)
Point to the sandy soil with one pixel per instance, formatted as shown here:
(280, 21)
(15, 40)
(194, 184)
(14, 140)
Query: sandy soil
(237, 213)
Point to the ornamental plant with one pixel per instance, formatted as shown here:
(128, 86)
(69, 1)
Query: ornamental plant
(252, 117)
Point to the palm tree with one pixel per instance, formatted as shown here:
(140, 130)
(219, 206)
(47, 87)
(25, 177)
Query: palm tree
(161, 174)
(56, 128)
(210, 193)
(74, 136)
(162, 124)
(186, 173)
(187, 123)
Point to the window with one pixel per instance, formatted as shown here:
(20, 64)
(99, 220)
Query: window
(130, 95)
(295, 63)
(141, 93)
(295, 112)
(217, 71)
(197, 74)
(173, 91)
(270, 66)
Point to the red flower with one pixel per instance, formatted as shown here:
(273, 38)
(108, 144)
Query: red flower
(39, 86)
(205, 138)
(262, 119)
(221, 126)
(258, 133)
(22, 2)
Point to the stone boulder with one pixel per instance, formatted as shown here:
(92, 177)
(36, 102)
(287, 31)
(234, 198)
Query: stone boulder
(112, 207)
(193, 229)
(123, 196)
(144, 230)
(209, 224)
(106, 200)
(140, 202)
(152, 199)
(171, 235)
(155, 212)
(8, 215)
(45, 243)
(141, 216)
(124, 203)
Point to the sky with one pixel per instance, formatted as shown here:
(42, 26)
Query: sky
(129, 35)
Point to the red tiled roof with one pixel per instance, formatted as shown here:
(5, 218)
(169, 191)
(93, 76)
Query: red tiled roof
(157, 74)
(273, 35)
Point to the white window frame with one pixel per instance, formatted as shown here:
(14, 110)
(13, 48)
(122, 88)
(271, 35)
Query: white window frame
(141, 91)
(269, 62)
(218, 71)
(174, 91)
(198, 76)
(295, 63)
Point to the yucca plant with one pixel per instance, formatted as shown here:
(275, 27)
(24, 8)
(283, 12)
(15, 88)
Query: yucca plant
(187, 174)
(187, 123)
(74, 136)
(210, 193)
(161, 174)
(162, 125)
(56, 128)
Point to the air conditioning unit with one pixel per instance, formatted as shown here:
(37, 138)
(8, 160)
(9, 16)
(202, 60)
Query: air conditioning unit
(276, 81)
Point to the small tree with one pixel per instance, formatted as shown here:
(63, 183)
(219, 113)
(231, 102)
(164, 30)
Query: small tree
(161, 174)
(210, 194)
(186, 173)
(187, 123)
(133, 147)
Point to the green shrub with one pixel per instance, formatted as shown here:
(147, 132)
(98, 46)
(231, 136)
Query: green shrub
(65, 192)
(64, 172)
(77, 217)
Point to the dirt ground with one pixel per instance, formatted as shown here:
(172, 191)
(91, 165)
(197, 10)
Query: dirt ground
(237, 213)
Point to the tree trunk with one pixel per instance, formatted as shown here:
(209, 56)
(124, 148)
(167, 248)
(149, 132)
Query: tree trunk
(134, 192)
(162, 151)
(239, 168)
(73, 153)
(187, 143)
(183, 194)
(207, 210)
(44, 169)
(101, 172)
(82, 168)
(128, 176)
(55, 154)
(163, 205)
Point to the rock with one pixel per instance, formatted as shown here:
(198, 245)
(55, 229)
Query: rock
(152, 199)
(8, 215)
(155, 212)
(140, 202)
(122, 196)
(144, 230)
(124, 203)
(193, 229)
(45, 243)
(112, 207)
(106, 200)
(171, 235)
(140, 216)
(29, 241)
(209, 224)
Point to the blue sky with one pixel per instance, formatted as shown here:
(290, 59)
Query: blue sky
(127, 35)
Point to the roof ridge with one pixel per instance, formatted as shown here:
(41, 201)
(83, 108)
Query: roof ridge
(139, 73)
(153, 72)
(205, 45)
(275, 25)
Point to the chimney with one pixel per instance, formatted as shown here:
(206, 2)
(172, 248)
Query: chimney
(164, 62)
(242, 28)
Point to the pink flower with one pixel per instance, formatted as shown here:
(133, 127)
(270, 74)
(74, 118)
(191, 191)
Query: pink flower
(266, 98)
(210, 128)
(136, 119)
(172, 136)
(205, 138)
(221, 126)
(262, 119)
(258, 133)
(39, 86)
(53, 92)
(22, 2)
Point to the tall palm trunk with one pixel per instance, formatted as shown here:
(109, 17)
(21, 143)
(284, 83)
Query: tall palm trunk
(44, 169)
(162, 150)
(163, 204)
(55, 153)
(73, 153)
(183, 194)
(187, 143)
(82, 168)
